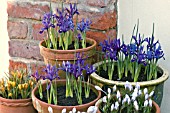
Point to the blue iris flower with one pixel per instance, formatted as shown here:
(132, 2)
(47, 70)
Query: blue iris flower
(47, 22)
(73, 10)
(84, 25)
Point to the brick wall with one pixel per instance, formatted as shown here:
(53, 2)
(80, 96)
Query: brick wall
(24, 23)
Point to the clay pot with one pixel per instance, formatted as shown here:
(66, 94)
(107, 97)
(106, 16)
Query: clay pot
(16, 106)
(155, 106)
(56, 57)
(157, 85)
(42, 107)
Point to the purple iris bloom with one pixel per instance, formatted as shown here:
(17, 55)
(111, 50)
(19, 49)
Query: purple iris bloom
(138, 41)
(83, 26)
(36, 76)
(89, 69)
(140, 56)
(125, 49)
(47, 22)
(154, 50)
(64, 22)
(111, 48)
(73, 10)
(79, 37)
(51, 72)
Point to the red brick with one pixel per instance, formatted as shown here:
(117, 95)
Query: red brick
(24, 49)
(17, 30)
(37, 66)
(35, 32)
(27, 10)
(100, 36)
(13, 65)
(99, 3)
(100, 21)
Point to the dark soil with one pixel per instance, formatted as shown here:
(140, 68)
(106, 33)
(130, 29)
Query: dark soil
(142, 76)
(63, 101)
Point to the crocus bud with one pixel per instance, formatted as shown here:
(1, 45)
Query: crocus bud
(136, 105)
(104, 99)
(109, 90)
(137, 85)
(146, 103)
(64, 110)
(50, 110)
(116, 105)
(150, 102)
(146, 96)
(145, 91)
(118, 94)
(112, 107)
(114, 88)
(92, 109)
(74, 110)
(151, 94)
(128, 86)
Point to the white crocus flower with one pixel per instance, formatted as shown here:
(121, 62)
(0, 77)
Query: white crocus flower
(134, 95)
(92, 109)
(137, 85)
(145, 91)
(70, 112)
(136, 105)
(118, 94)
(128, 86)
(64, 110)
(114, 88)
(116, 105)
(112, 107)
(146, 103)
(109, 90)
(150, 102)
(146, 96)
(151, 94)
(100, 89)
(74, 110)
(108, 95)
(127, 98)
(50, 110)
(139, 92)
(104, 99)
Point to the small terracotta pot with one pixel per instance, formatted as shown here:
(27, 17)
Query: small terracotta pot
(155, 106)
(42, 107)
(56, 57)
(157, 85)
(16, 106)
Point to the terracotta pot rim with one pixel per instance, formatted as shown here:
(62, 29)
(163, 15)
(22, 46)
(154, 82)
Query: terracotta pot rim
(161, 79)
(2, 99)
(70, 51)
(62, 107)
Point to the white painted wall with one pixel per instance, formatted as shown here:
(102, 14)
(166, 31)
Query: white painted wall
(4, 57)
(148, 12)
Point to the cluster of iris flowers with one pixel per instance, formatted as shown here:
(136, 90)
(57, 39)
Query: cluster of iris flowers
(140, 52)
(74, 79)
(61, 28)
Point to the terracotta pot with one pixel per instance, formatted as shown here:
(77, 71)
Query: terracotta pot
(55, 57)
(16, 106)
(155, 106)
(157, 85)
(42, 107)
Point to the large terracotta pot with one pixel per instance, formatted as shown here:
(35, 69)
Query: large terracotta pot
(16, 106)
(155, 106)
(42, 107)
(157, 85)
